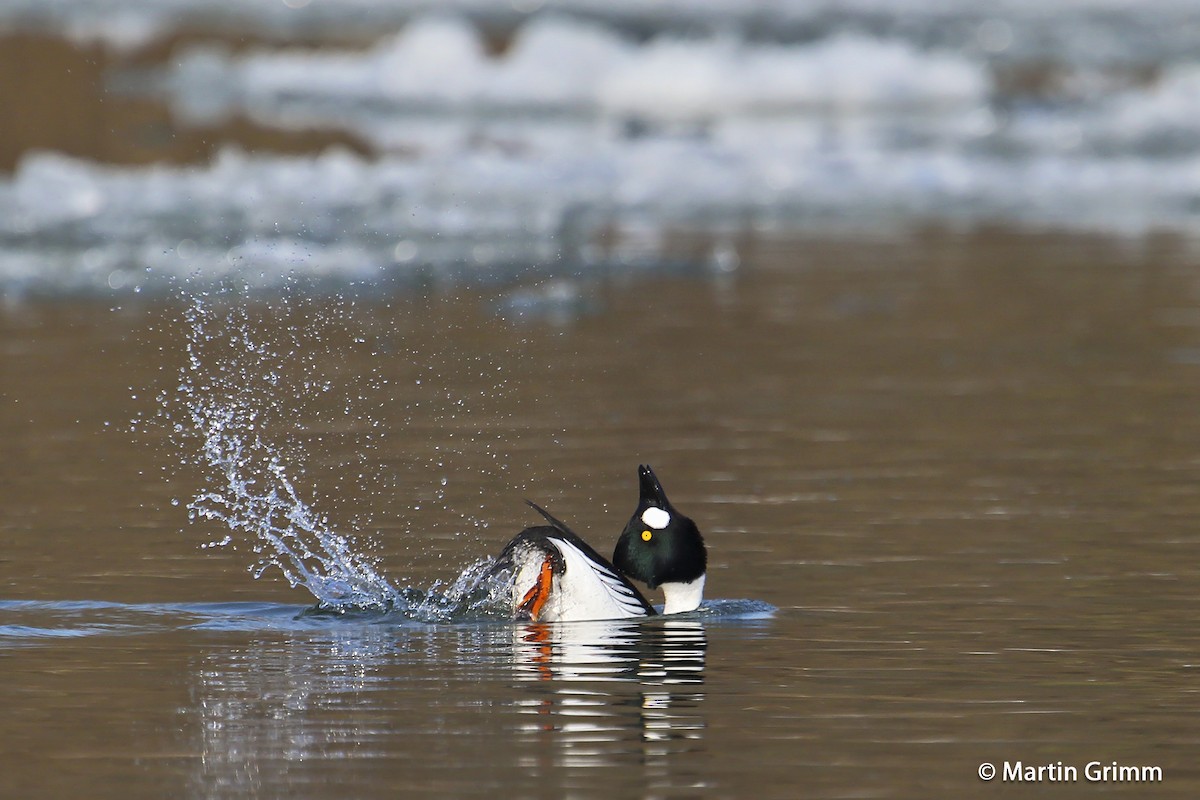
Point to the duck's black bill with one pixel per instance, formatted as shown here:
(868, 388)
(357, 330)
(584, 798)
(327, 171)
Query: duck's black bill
(651, 489)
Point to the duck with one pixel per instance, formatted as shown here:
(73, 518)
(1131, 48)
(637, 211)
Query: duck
(558, 577)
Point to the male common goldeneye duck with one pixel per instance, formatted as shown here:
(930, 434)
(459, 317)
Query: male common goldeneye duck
(662, 547)
(558, 577)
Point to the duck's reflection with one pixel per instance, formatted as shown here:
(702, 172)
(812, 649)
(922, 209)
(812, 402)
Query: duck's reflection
(280, 709)
(602, 691)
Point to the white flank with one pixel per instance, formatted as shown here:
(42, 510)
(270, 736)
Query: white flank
(586, 590)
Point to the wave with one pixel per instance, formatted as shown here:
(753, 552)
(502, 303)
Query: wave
(31, 622)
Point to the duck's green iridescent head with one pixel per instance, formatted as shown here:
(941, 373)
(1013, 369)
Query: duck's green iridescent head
(659, 545)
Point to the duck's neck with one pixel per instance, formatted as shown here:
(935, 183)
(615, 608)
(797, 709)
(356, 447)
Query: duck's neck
(682, 597)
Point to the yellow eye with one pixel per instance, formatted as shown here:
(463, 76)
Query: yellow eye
(647, 536)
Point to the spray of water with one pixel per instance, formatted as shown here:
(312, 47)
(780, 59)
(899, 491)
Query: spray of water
(222, 414)
(249, 488)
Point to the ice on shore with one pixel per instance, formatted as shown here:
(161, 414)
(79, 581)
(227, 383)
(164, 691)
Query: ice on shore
(559, 152)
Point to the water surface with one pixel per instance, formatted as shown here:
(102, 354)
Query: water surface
(963, 469)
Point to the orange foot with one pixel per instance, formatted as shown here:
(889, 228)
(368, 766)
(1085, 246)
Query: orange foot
(534, 600)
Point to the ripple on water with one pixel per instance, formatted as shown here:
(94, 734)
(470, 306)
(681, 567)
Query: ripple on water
(31, 622)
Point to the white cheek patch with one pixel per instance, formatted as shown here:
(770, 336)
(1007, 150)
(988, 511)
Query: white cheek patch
(656, 518)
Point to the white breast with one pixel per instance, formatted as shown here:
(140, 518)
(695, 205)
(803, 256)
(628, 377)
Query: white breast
(681, 597)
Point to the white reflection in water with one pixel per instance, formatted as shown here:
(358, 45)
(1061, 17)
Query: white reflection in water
(263, 707)
(274, 713)
(605, 690)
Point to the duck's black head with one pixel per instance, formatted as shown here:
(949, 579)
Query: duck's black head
(659, 545)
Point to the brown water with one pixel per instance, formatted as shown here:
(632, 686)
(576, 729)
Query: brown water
(966, 471)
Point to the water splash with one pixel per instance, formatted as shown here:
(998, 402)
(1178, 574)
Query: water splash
(230, 415)
(249, 488)
(227, 415)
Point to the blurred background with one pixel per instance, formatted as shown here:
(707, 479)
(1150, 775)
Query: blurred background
(364, 141)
